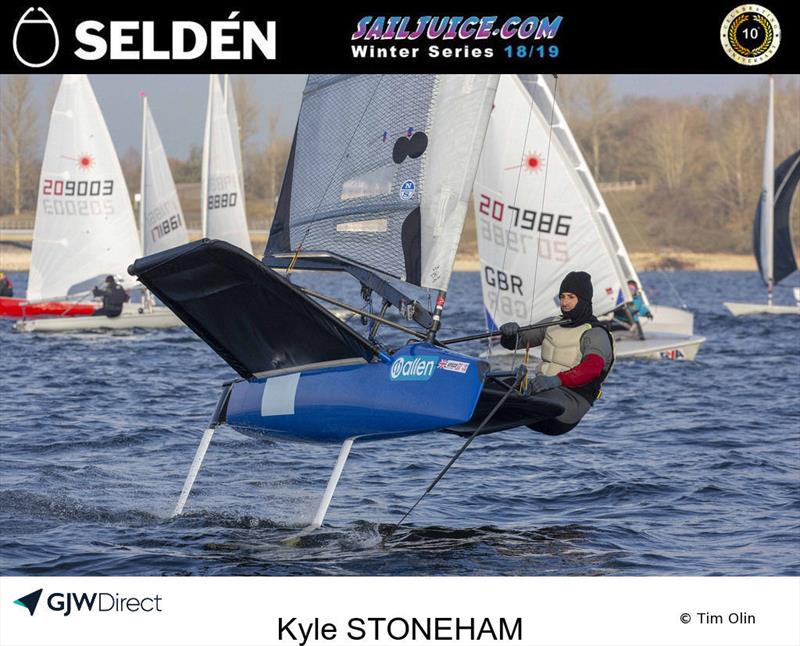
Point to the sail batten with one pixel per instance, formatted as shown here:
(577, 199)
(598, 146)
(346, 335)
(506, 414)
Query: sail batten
(380, 171)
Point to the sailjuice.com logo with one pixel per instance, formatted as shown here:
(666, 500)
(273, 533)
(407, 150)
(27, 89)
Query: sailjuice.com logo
(36, 41)
(67, 603)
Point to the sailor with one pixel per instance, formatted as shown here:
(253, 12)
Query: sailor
(576, 356)
(633, 310)
(113, 295)
(6, 286)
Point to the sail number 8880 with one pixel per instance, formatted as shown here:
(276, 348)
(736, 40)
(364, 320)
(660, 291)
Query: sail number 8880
(221, 200)
(524, 218)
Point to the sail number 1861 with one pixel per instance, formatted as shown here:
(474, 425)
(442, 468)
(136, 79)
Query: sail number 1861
(524, 218)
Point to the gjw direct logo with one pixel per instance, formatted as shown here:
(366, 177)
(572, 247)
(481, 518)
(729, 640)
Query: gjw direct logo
(36, 39)
(66, 603)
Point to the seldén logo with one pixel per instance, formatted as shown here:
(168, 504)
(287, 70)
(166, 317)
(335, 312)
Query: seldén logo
(66, 603)
(36, 39)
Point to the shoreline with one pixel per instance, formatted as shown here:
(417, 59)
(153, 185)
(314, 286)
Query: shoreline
(17, 258)
(663, 260)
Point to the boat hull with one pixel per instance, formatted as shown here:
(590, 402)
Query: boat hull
(660, 346)
(131, 317)
(19, 308)
(420, 388)
(745, 309)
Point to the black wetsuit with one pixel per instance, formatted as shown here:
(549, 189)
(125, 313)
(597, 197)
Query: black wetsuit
(113, 299)
(576, 400)
(6, 288)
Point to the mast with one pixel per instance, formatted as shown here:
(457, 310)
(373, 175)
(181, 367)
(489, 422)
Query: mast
(206, 161)
(768, 207)
(142, 180)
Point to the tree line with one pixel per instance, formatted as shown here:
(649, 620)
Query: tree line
(696, 163)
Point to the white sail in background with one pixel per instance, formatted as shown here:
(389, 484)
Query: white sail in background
(223, 207)
(539, 214)
(162, 222)
(85, 227)
(233, 121)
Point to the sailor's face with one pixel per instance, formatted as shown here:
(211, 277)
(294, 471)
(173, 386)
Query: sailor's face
(568, 301)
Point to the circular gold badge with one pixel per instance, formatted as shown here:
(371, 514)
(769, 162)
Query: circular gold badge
(750, 34)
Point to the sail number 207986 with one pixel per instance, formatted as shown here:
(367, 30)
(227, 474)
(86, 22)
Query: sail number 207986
(524, 219)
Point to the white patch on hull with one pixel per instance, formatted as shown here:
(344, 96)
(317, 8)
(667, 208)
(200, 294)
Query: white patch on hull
(279, 394)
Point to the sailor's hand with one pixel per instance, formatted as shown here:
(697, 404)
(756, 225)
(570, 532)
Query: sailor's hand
(542, 383)
(509, 331)
(649, 316)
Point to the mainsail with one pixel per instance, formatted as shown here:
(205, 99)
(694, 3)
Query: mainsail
(772, 235)
(85, 226)
(539, 213)
(380, 172)
(784, 256)
(162, 222)
(221, 190)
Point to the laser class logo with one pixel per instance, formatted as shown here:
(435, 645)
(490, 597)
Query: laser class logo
(750, 34)
(412, 369)
(35, 39)
(30, 601)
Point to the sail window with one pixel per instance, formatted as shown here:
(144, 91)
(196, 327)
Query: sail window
(370, 184)
(364, 226)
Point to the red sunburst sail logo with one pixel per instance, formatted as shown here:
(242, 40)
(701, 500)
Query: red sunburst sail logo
(85, 161)
(531, 162)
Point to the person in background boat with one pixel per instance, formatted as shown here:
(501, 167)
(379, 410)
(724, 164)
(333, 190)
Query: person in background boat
(6, 286)
(627, 316)
(114, 297)
(576, 355)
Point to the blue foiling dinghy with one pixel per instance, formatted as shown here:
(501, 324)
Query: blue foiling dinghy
(376, 188)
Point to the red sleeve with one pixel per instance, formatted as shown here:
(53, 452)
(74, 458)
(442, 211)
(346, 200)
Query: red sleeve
(587, 370)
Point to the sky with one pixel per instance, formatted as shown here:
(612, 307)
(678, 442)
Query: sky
(178, 102)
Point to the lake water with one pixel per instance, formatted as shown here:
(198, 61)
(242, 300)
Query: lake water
(682, 468)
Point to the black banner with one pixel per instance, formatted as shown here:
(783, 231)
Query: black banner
(258, 37)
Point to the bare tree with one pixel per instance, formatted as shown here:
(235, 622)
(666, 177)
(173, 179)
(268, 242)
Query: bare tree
(18, 128)
(246, 108)
(669, 145)
(589, 105)
(735, 139)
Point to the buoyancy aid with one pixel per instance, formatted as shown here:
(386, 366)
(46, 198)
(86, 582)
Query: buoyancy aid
(561, 350)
